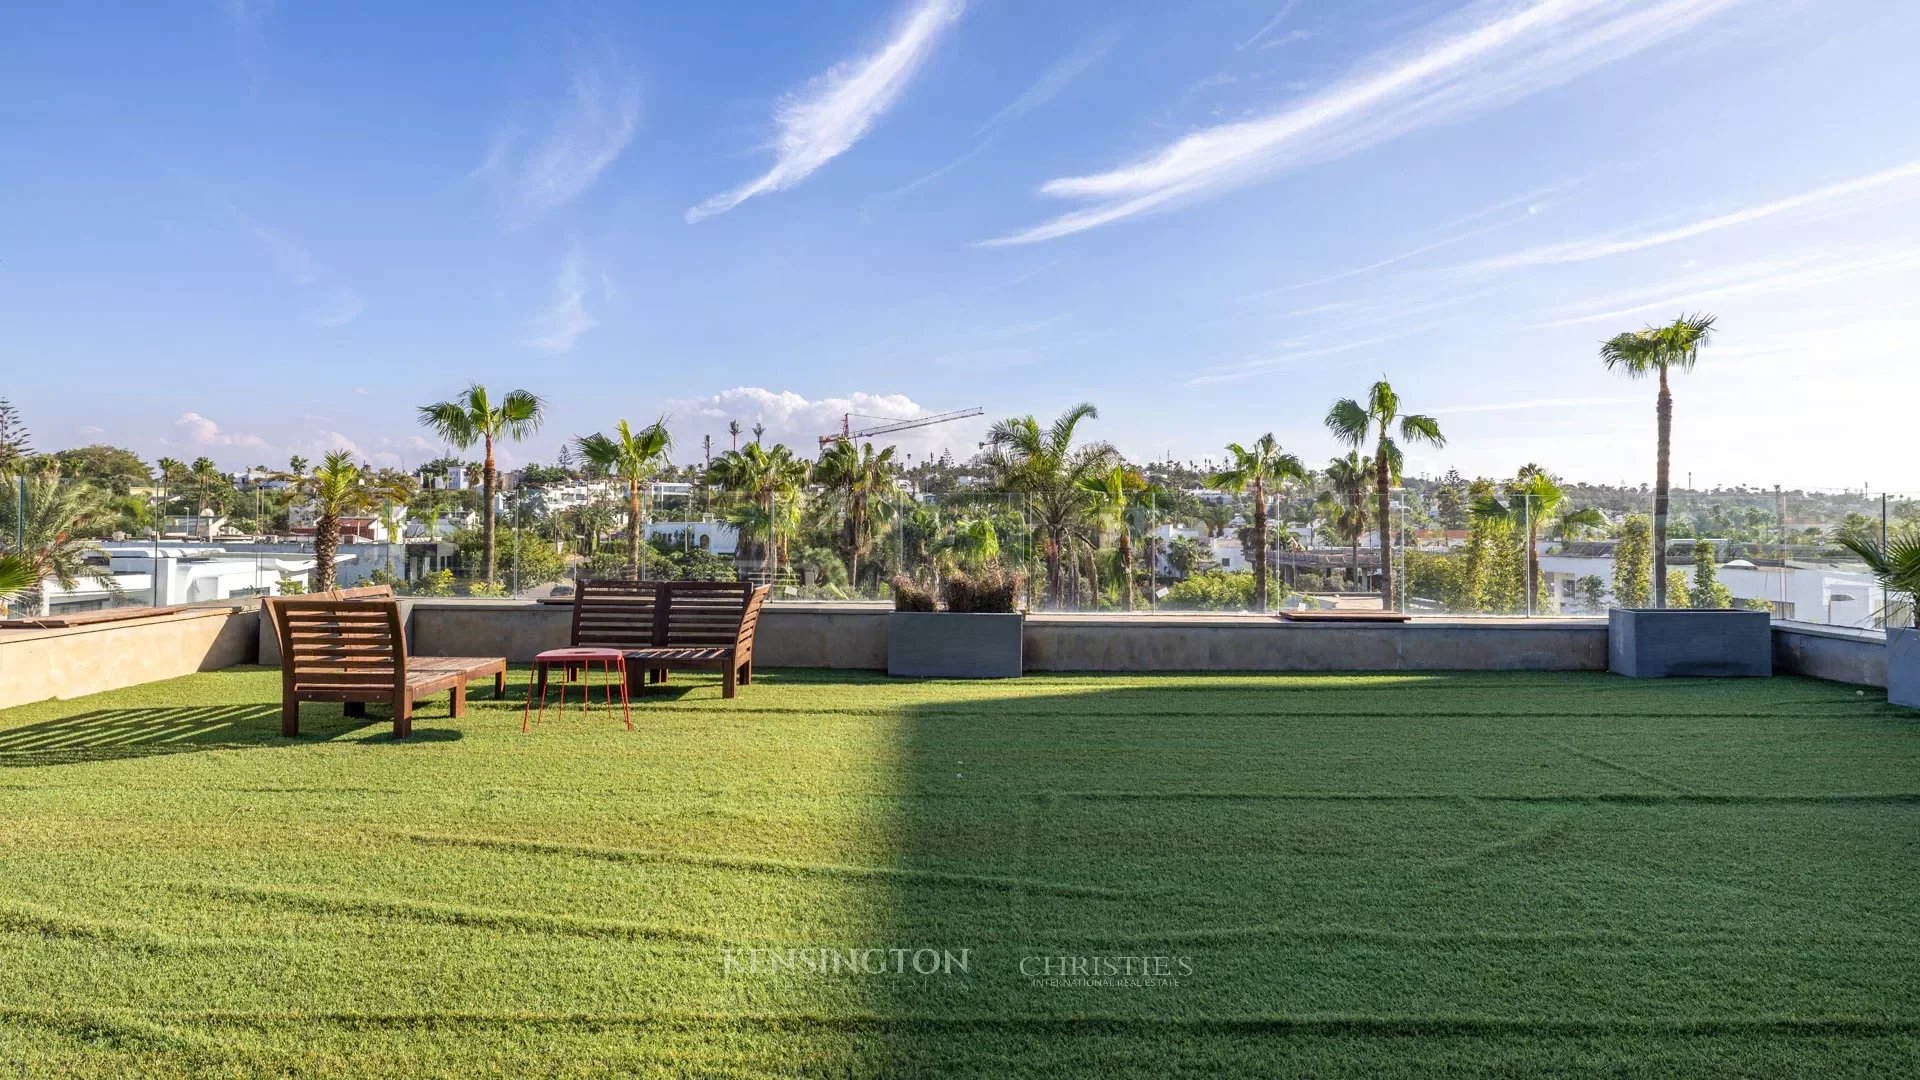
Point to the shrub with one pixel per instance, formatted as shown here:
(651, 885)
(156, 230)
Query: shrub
(1214, 590)
(989, 591)
(910, 595)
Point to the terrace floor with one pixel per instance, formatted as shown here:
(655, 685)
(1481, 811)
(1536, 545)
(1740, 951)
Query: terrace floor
(1349, 875)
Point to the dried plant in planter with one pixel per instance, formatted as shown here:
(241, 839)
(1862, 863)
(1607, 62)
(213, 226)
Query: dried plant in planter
(910, 595)
(989, 591)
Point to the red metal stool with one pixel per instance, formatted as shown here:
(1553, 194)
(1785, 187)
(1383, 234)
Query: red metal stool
(612, 662)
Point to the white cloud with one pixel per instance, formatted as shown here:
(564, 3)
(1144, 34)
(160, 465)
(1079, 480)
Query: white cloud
(1489, 56)
(1604, 246)
(799, 421)
(837, 109)
(202, 432)
(587, 134)
(555, 329)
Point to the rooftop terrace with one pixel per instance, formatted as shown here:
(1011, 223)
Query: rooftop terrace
(1333, 875)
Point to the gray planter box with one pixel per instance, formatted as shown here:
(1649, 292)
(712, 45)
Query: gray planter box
(943, 645)
(1903, 667)
(1644, 643)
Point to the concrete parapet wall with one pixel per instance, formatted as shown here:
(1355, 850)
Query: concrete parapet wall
(36, 665)
(1835, 653)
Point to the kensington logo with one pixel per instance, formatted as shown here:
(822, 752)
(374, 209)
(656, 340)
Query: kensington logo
(855, 962)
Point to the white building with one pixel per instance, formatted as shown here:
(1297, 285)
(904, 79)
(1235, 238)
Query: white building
(715, 536)
(1797, 590)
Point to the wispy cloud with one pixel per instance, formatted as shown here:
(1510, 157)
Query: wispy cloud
(1487, 57)
(1410, 253)
(1745, 280)
(565, 318)
(1279, 17)
(1289, 358)
(340, 307)
(1056, 78)
(1602, 247)
(1535, 403)
(328, 304)
(838, 108)
(585, 136)
(1044, 89)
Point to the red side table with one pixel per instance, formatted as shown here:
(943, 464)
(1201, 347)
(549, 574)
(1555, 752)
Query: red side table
(612, 662)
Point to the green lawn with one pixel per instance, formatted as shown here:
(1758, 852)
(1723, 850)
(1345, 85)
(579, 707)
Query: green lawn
(1363, 875)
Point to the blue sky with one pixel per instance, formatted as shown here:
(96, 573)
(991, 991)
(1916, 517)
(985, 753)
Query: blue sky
(251, 229)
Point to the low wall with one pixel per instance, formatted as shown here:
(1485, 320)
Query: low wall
(36, 665)
(39, 664)
(854, 636)
(1827, 652)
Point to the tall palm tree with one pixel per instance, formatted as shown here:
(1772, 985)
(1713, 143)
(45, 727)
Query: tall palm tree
(759, 429)
(1352, 423)
(733, 430)
(340, 488)
(1350, 477)
(38, 530)
(1110, 500)
(1044, 465)
(636, 457)
(473, 417)
(858, 476)
(1261, 468)
(1535, 500)
(1653, 350)
(205, 483)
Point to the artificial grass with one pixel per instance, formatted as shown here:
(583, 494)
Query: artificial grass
(1365, 876)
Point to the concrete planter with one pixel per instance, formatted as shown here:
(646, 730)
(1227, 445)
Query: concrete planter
(1903, 667)
(1644, 643)
(943, 645)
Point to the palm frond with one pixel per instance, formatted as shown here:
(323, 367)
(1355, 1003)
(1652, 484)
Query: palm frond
(1349, 421)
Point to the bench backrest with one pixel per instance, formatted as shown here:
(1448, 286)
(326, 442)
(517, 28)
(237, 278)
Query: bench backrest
(696, 613)
(614, 613)
(340, 647)
(620, 614)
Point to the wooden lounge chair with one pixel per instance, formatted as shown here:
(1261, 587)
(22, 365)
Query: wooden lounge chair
(354, 651)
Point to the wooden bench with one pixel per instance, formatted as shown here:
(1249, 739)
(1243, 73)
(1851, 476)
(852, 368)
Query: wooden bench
(664, 625)
(354, 651)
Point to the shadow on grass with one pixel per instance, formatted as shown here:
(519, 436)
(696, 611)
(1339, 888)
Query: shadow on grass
(120, 734)
(1270, 876)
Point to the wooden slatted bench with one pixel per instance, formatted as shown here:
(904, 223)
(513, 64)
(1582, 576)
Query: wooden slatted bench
(673, 624)
(354, 651)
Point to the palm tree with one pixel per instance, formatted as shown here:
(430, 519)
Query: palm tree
(38, 530)
(1652, 351)
(1110, 501)
(1262, 467)
(1350, 477)
(17, 575)
(474, 418)
(759, 429)
(1896, 567)
(1352, 423)
(1216, 516)
(339, 488)
(857, 475)
(1044, 465)
(733, 430)
(1533, 500)
(765, 485)
(634, 457)
(204, 483)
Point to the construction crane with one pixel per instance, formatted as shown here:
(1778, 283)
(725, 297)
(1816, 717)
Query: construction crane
(847, 432)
